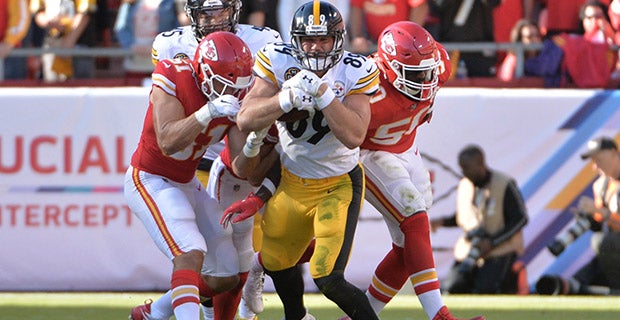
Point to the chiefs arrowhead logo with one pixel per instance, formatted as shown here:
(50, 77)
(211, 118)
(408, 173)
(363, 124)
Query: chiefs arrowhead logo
(209, 51)
(387, 44)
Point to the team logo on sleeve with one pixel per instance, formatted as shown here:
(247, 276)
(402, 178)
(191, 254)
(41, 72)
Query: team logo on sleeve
(181, 55)
(290, 72)
(338, 88)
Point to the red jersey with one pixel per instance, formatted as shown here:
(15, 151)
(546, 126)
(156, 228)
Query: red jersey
(176, 77)
(394, 119)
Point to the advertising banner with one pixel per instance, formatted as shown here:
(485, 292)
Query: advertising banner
(64, 224)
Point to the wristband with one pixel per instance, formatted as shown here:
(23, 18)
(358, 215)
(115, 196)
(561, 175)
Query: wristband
(251, 150)
(267, 183)
(203, 115)
(325, 99)
(284, 97)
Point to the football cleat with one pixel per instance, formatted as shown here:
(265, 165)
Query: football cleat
(252, 292)
(141, 312)
(444, 314)
(308, 317)
(244, 311)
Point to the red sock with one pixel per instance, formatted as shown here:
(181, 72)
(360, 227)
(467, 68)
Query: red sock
(389, 276)
(184, 285)
(226, 303)
(205, 290)
(418, 253)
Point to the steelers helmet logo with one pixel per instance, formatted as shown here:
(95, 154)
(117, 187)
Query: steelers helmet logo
(290, 72)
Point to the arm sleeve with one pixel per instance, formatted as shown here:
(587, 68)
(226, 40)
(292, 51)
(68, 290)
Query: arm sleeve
(515, 215)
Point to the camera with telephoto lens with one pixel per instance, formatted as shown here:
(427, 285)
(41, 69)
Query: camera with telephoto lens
(475, 237)
(582, 224)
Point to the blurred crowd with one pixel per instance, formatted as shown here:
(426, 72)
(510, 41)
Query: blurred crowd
(570, 43)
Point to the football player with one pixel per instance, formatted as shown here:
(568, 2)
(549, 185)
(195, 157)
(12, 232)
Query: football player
(321, 188)
(192, 105)
(413, 67)
(207, 17)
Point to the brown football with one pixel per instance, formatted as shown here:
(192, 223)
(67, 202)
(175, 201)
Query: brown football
(294, 115)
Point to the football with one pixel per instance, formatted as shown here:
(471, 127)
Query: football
(294, 115)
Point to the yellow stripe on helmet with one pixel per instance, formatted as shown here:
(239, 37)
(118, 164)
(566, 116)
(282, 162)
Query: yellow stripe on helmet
(316, 12)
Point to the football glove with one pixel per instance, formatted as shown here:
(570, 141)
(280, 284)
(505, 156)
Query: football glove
(224, 106)
(295, 98)
(305, 80)
(241, 210)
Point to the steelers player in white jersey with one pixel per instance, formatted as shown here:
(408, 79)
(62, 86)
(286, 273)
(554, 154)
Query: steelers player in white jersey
(321, 189)
(206, 17)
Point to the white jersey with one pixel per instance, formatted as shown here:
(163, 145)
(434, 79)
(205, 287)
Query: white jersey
(181, 43)
(309, 147)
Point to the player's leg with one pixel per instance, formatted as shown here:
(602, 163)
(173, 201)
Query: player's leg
(399, 188)
(252, 294)
(287, 231)
(338, 207)
(230, 249)
(167, 212)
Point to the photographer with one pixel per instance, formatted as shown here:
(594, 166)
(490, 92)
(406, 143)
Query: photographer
(491, 211)
(601, 276)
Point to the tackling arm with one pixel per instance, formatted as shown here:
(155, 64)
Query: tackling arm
(261, 107)
(174, 131)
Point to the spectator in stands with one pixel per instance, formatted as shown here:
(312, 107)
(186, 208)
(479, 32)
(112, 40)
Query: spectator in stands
(137, 24)
(259, 13)
(524, 32)
(492, 214)
(68, 25)
(367, 18)
(601, 276)
(560, 16)
(543, 63)
(13, 28)
(468, 21)
(589, 57)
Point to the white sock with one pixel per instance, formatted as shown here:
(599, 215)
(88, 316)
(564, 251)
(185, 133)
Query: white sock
(376, 305)
(162, 307)
(431, 302)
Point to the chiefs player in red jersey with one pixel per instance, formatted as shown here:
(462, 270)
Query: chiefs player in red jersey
(192, 105)
(413, 67)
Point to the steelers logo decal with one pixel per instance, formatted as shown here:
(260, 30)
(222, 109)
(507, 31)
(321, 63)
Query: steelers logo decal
(181, 55)
(290, 72)
(338, 88)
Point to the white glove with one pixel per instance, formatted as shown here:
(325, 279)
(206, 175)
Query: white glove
(224, 106)
(253, 142)
(305, 80)
(295, 98)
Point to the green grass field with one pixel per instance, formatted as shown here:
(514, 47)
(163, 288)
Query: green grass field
(107, 306)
